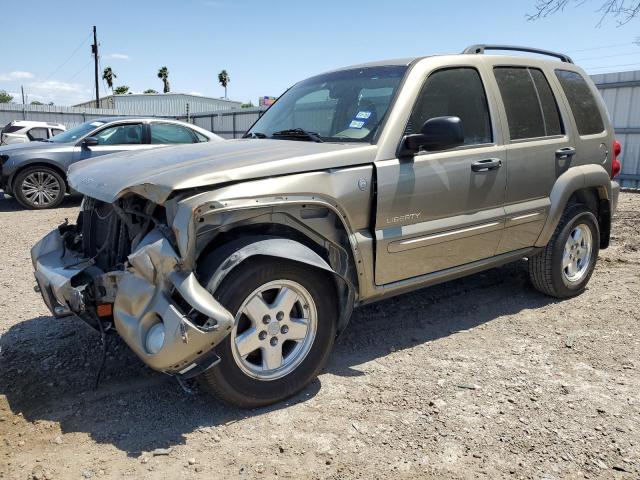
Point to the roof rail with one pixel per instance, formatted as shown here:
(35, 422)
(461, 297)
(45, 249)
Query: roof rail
(480, 49)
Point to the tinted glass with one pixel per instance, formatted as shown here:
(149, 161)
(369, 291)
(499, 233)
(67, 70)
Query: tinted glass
(169, 133)
(456, 92)
(56, 131)
(582, 102)
(120, 135)
(11, 128)
(343, 106)
(520, 99)
(37, 133)
(550, 114)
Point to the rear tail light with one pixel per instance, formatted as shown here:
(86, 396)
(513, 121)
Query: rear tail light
(616, 166)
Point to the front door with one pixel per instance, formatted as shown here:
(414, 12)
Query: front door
(114, 138)
(438, 210)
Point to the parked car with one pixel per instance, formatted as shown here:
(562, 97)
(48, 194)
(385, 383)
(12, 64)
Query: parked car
(239, 262)
(23, 131)
(35, 173)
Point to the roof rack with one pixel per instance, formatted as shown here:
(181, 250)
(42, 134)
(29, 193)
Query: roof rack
(479, 49)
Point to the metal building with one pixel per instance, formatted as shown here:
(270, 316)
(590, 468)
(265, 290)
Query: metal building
(162, 104)
(621, 93)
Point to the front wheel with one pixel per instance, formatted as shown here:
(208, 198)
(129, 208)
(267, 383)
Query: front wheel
(39, 187)
(284, 329)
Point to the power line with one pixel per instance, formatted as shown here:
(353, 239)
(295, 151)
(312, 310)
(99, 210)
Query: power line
(80, 71)
(614, 66)
(600, 48)
(608, 56)
(69, 58)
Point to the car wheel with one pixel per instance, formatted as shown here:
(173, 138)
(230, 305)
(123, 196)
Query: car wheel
(285, 325)
(39, 188)
(563, 268)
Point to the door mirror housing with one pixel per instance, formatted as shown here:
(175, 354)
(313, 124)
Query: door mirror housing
(90, 142)
(438, 133)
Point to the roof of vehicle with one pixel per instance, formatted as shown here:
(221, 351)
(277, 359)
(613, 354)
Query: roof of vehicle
(34, 123)
(473, 50)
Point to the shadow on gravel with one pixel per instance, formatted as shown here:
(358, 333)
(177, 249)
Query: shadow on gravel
(48, 366)
(10, 204)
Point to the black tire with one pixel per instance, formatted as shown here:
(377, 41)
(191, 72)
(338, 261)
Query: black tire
(227, 381)
(55, 191)
(546, 267)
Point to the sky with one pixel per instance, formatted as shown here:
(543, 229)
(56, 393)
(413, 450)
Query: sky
(268, 46)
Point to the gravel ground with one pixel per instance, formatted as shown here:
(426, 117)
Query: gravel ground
(477, 378)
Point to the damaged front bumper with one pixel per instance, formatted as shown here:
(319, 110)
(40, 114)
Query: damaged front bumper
(152, 290)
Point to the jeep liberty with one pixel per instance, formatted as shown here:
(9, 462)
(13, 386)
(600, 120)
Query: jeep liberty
(239, 262)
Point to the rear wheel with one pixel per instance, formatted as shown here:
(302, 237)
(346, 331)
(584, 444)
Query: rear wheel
(284, 329)
(39, 188)
(566, 264)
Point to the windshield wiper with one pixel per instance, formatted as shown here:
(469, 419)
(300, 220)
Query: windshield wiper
(298, 133)
(254, 135)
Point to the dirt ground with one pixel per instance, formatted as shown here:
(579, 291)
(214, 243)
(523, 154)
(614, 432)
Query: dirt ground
(477, 378)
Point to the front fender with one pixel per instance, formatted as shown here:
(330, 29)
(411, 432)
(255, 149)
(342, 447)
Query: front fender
(574, 179)
(233, 254)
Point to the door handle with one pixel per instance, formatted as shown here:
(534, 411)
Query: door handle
(486, 165)
(565, 153)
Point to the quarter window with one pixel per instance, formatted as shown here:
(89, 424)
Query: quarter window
(582, 102)
(532, 111)
(56, 131)
(456, 92)
(170, 133)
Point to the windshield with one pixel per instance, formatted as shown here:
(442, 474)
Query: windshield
(344, 106)
(76, 133)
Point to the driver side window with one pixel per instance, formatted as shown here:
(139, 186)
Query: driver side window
(456, 92)
(128, 134)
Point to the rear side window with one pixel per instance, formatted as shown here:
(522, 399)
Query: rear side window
(38, 133)
(56, 131)
(582, 102)
(532, 111)
(164, 133)
(456, 92)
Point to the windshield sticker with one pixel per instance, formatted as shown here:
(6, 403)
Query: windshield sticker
(356, 124)
(363, 115)
(96, 124)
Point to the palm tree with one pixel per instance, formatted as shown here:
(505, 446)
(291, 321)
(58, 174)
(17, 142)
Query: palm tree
(224, 79)
(108, 76)
(163, 74)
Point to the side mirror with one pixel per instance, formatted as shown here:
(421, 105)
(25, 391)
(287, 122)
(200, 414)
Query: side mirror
(438, 133)
(90, 142)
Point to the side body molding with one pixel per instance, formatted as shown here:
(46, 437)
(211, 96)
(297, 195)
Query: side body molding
(574, 179)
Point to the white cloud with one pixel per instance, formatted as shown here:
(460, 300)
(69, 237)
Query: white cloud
(16, 75)
(117, 56)
(60, 93)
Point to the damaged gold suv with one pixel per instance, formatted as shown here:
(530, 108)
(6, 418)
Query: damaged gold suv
(239, 262)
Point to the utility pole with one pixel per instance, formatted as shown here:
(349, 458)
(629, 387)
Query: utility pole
(22, 88)
(94, 51)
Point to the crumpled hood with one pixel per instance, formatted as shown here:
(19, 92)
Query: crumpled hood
(154, 174)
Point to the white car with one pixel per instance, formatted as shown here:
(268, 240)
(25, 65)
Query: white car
(23, 131)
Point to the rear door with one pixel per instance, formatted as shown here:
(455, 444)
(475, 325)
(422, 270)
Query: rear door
(437, 210)
(539, 149)
(115, 138)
